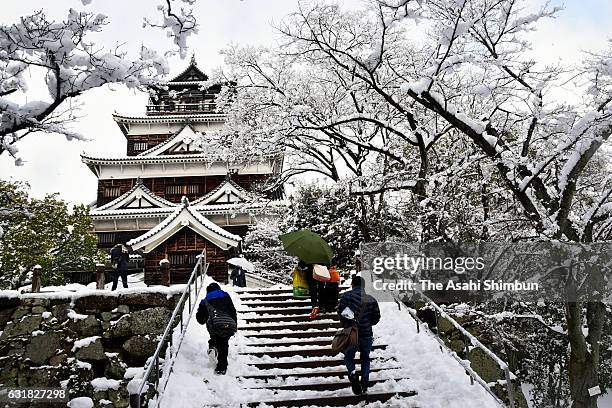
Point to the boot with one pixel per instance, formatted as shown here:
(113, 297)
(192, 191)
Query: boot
(212, 356)
(355, 384)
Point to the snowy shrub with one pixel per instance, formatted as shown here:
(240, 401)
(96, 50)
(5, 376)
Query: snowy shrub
(43, 232)
(339, 218)
(263, 247)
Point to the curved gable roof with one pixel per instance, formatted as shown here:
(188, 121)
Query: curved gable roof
(179, 143)
(227, 192)
(182, 217)
(191, 74)
(138, 196)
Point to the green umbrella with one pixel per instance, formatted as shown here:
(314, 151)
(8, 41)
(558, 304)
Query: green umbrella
(307, 246)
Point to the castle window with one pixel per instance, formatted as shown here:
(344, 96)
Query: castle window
(174, 190)
(106, 238)
(183, 258)
(141, 146)
(182, 189)
(110, 192)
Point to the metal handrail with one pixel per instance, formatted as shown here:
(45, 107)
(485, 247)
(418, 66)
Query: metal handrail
(475, 343)
(198, 273)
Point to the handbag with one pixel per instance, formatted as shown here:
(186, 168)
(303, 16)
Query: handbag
(220, 323)
(300, 283)
(348, 337)
(321, 273)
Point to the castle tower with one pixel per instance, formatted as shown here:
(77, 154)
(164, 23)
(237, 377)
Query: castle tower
(172, 196)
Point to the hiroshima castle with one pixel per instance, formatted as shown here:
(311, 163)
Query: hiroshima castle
(170, 197)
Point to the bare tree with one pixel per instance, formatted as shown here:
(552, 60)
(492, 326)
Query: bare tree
(449, 108)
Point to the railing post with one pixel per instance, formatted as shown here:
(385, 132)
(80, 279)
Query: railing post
(467, 354)
(509, 386)
(36, 278)
(164, 266)
(156, 372)
(135, 401)
(100, 276)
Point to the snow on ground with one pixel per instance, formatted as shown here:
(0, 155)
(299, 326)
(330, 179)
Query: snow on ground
(81, 402)
(438, 379)
(76, 290)
(105, 384)
(84, 342)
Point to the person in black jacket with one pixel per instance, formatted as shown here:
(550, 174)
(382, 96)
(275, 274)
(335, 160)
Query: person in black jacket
(120, 260)
(238, 277)
(366, 312)
(314, 288)
(218, 344)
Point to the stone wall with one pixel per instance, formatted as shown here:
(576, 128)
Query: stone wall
(71, 339)
(480, 362)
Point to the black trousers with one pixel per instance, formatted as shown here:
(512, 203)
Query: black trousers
(115, 276)
(314, 288)
(221, 345)
(328, 295)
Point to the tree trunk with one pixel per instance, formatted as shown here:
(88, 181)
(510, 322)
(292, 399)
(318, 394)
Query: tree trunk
(362, 222)
(584, 357)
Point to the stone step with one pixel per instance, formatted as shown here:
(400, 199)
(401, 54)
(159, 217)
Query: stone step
(292, 318)
(297, 326)
(276, 291)
(294, 334)
(341, 372)
(325, 342)
(279, 310)
(273, 297)
(287, 365)
(288, 303)
(263, 291)
(325, 386)
(318, 352)
(335, 401)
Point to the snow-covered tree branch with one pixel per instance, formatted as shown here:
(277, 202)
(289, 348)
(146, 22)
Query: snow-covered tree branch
(63, 55)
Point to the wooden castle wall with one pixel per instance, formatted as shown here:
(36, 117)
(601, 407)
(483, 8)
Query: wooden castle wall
(150, 140)
(158, 185)
(185, 242)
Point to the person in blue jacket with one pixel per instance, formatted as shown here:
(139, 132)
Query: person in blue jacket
(370, 315)
(218, 345)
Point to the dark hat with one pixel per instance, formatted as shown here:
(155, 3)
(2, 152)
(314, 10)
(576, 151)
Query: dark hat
(357, 282)
(212, 287)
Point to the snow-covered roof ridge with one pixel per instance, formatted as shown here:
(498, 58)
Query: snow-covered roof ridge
(184, 216)
(138, 192)
(199, 117)
(209, 209)
(228, 188)
(178, 158)
(182, 139)
(87, 158)
(193, 66)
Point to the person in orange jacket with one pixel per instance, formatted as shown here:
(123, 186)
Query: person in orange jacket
(330, 291)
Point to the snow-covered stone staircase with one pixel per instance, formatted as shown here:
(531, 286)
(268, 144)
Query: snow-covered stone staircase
(293, 358)
(279, 358)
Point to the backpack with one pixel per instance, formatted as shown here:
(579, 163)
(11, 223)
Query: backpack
(220, 323)
(348, 337)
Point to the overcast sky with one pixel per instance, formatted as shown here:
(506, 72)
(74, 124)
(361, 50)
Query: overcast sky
(53, 164)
